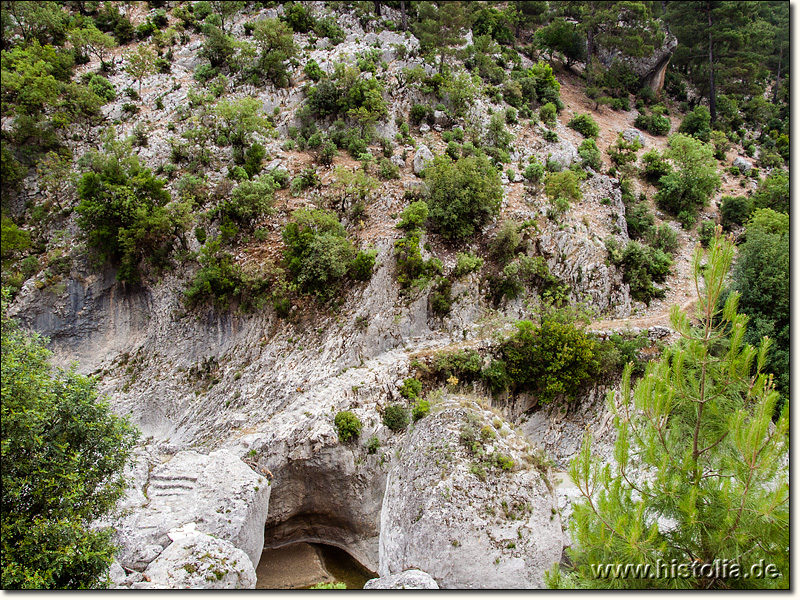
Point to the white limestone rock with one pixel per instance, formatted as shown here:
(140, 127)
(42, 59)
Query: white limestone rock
(201, 561)
(422, 159)
(745, 166)
(467, 528)
(218, 492)
(413, 579)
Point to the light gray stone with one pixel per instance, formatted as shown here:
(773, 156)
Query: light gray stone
(497, 529)
(745, 166)
(634, 134)
(424, 128)
(422, 159)
(413, 579)
(200, 561)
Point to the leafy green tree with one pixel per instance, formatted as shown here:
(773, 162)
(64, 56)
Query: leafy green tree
(90, 40)
(463, 196)
(226, 9)
(690, 185)
(735, 210)
(317, 253)
(240, 119)
(441, 27)
(622, 25)
(699, 472)
(562, 37)
(250, 200)
(773, 192)
(140, 63)
(715, 39)
(276, 42)
(761, 276)
(63, 453)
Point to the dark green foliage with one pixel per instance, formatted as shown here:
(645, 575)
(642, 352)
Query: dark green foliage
(328, 151)
(492, 22)
(590, 155)
(441, 297)
(419, 113)
(252, 159)
(298, 17)
(552, 359)
(317, 253)
(122, 211)
(563, 38)
(706, 233)
(464, 195)
(348, 426)
(219, 280)
(523, 273)
(690, 186)
(644, 266)
(395, 417)
(655, 123)
(218, 48)
(63, 453)
(623, 152)
(534, 172)
(362, 265)
(585, 125)
(761, 275)
(312, 70)
(654, 166)
(13, 239)
(277, 47)
(663, 238)
(372, 445)
(773, 192)
(507, 242)
(735, 210)
(464, 365)
(697, 124)
(411, 388)
(412, 270)
(640, 220)
(547, 114)
(103, 88)
(111, 20)
(420, 410)
(496, 376)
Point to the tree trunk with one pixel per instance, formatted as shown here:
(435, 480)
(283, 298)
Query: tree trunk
(377, 8)
(712, 92)
(519, 18)
(403, 13)
(778, 80)
(589, 53)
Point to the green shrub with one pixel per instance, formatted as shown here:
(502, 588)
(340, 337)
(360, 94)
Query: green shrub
(773, 192)
(663, 238)
(395, 417)
(103, 88)
(697, 124)
(348, 425)
(313, 71)
(466, 263)
(585, 125)
(219, 280)
(735, 210)
(654, 166)
(505, 245)
(639, 219)
(551, 359)
(317, 253)
(419, 113)
(534, 172)
(463, 195)
(372, 445)
(297, 16)
(412, 270)
(550, 136)
(496, 376)
(590, 155)
(547, 114)
(411, 388)
(362, 265)
(644, 266)
(623, 152)
(420, 410)
(563, 185)
(441, 297)
(706, 233)
(465, 365)
(250, 200)
(414, 216)
(654, 123)
(388, 170)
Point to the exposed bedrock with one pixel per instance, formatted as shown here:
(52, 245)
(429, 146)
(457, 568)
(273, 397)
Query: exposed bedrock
(470, 519)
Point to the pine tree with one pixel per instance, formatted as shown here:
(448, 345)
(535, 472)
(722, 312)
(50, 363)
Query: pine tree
(700, 471)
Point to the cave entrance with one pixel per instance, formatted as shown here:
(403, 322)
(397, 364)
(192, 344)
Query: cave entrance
(301, 565)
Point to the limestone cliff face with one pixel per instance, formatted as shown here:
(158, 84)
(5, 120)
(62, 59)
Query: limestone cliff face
(447, 511)
(651, 69)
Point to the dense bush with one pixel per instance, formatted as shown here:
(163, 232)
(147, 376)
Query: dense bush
(655, 123)
(466, 263)
(697, 124)
(317, 253)
(773, 192)
(348, 425)
(547, 114)
(590, 155)
(362, 265)
(441, 297)
(643, 267)
(534, 172)
(690, 186)
(585, 125)
(507, 242)
(414, 215)
(463, 195)
(395, 417)
(735, 210)
(420, 410)
(412, 270)
(123, 212)
(219, 280)
(654, 166)
(250, 200)
(411, 388)
(464, 365)
(551, 359)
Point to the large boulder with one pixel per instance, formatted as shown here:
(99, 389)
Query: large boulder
(465, 503)
(744, 166)
(651, 69)
(422, 159)
(217, 491)
(200, 561)
(413, 579)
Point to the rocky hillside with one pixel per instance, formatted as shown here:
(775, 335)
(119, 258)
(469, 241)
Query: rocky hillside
(234, 361)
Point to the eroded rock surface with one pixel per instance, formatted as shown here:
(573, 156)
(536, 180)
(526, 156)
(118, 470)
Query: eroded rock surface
(469, 519)
(413, 579)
